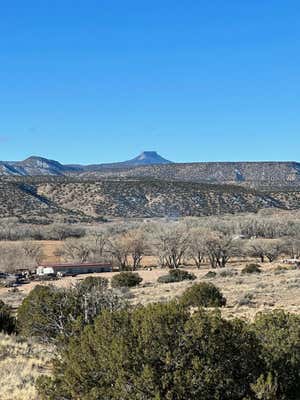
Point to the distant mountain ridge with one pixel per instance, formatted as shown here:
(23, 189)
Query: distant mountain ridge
(32, 166)
(149, 164)
(147, 158)
(255, 174)
(35, 165)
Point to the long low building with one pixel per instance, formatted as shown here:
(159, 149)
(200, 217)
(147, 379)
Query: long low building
(73, 268)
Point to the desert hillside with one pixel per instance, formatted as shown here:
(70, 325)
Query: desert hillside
(69, 200)
(255, 174)
(150, 198)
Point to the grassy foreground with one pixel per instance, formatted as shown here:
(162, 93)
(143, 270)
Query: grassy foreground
(21, 362)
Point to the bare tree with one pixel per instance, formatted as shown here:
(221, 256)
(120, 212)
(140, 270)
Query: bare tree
(292, 246)
(14, 256)
(197, 245)
(220, 248)
(76, 250)
(170, 244)
(100, 240)
(265, 248)
(33, 251)
(119, 251)
(256, 248)
(273, 249)
(137, 246)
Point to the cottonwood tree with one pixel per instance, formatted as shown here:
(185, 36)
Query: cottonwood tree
(170, 244)
(119, 252)
(100, 243)
(128, 248)
(265, 248)
(196, 249)
(137, 246)
(292, 246)
(220, 248)
(273, 249)
(62, 231)
(14, 256)
(33, 251)
(76, 250)
(256, 248)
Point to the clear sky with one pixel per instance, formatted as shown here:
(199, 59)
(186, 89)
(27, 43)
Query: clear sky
(98, 81)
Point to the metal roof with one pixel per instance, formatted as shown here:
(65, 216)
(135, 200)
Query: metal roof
(75, 265)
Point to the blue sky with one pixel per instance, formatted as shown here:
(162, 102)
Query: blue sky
(99, 81)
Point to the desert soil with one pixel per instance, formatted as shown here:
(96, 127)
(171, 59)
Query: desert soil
(246, 294)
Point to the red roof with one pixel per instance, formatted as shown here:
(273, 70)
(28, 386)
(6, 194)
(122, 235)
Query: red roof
(75, 265)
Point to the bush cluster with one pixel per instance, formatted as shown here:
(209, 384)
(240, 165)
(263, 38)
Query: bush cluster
(202, 294)
(251, 269)
(126, 279)
(162, 351)
(210, 274)
(176, 275)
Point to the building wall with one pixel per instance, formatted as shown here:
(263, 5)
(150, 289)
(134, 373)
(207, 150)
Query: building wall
(83, 270)
(72, 271)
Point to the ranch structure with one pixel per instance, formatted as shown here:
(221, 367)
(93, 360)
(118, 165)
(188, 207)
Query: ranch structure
(73, 268)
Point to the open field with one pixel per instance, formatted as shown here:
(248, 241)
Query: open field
(49, 248)
(246, 294)
(21, 362)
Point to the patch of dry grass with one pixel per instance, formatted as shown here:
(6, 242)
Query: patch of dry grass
(21, 362)
(266, 291)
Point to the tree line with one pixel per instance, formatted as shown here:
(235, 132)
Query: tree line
(188, 241)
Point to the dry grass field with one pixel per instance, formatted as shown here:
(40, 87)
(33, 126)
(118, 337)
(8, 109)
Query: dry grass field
(21, 362)
(49, 248)
(246, 294)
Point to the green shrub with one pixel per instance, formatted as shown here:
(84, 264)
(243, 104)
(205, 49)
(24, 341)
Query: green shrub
(210, 274)
(40, 309)
(126, 279)
(202, 295)
(157, 352)
(49, 313)
(176, 275)
(7, 321)
(251, 269)
(279, 334)
(227, 273)
(92, 282)
(246, 299)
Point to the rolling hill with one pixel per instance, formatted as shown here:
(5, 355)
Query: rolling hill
(49, 199)
(252, 174)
